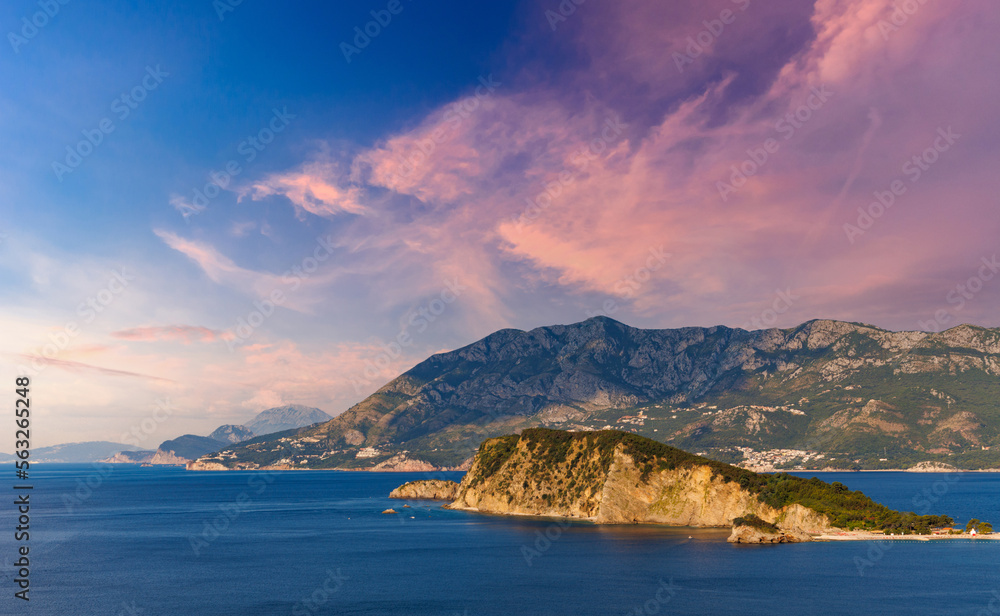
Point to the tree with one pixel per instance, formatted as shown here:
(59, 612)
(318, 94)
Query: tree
(973, 523)
(985, 528)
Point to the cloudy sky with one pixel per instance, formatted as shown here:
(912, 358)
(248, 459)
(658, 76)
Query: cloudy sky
(225, 208)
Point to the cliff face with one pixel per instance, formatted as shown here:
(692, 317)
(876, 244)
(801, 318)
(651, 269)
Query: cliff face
(167, 457)
(198, 465)
(608, 486)
(748, 534)
(430, 489)
(129, 457)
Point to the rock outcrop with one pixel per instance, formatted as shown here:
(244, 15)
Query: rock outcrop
(129, 457)
(751, 535)
(429, 489)
(168, 458)
(199, 465)
(400, 463)
(583, 477)
(932, 467)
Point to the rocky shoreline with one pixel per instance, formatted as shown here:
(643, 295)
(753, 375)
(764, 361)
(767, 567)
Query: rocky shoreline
(870, 536)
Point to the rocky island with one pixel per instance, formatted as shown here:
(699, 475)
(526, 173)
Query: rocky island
(611, 477)
(428, 489)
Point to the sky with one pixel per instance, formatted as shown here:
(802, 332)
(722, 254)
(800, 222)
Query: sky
(210, 208)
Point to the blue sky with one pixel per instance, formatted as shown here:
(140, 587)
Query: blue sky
(513, 164)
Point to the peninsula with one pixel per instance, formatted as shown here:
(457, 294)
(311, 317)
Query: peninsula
(612, 477)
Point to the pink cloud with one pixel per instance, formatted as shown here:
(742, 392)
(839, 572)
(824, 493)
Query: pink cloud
(182, 333)
(301, 292)
(76, 366)
(509, 196)
(312, 190)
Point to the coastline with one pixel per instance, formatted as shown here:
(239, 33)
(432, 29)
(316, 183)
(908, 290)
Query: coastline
(869, 536)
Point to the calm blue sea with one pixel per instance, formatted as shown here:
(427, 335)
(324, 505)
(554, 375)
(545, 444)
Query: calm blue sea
(140, 541)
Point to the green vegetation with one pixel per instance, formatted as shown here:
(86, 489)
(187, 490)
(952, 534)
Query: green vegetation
(983, 528)
(549, 448)
(493, 454)
(753, 521)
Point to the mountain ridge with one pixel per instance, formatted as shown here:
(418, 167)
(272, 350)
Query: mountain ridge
(189, 447)
(839, 393)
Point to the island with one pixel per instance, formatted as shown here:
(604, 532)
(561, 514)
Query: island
(613, 477)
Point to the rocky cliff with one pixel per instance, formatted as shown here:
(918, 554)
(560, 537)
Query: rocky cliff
(605, 483)
(129, 457)
(611, 477)
(167, 457)
(428, 489)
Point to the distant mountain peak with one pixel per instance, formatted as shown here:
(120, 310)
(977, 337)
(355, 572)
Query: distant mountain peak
(286, 417)
(230, 433)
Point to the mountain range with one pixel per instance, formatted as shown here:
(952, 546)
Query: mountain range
(190, 446)
(182, 448)
(74, 453)
(823, 394)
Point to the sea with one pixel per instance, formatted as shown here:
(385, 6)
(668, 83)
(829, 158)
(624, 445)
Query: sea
(127, 540)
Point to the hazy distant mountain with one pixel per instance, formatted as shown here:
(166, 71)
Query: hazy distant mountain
(230, 433)
(130, 457)
(190, 446)
(857, 394)
(74, 453)
(286, 418)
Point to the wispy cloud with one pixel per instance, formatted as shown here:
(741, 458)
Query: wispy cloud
(181, 333)
(605, 200)
(77, 366)
(316, 189)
